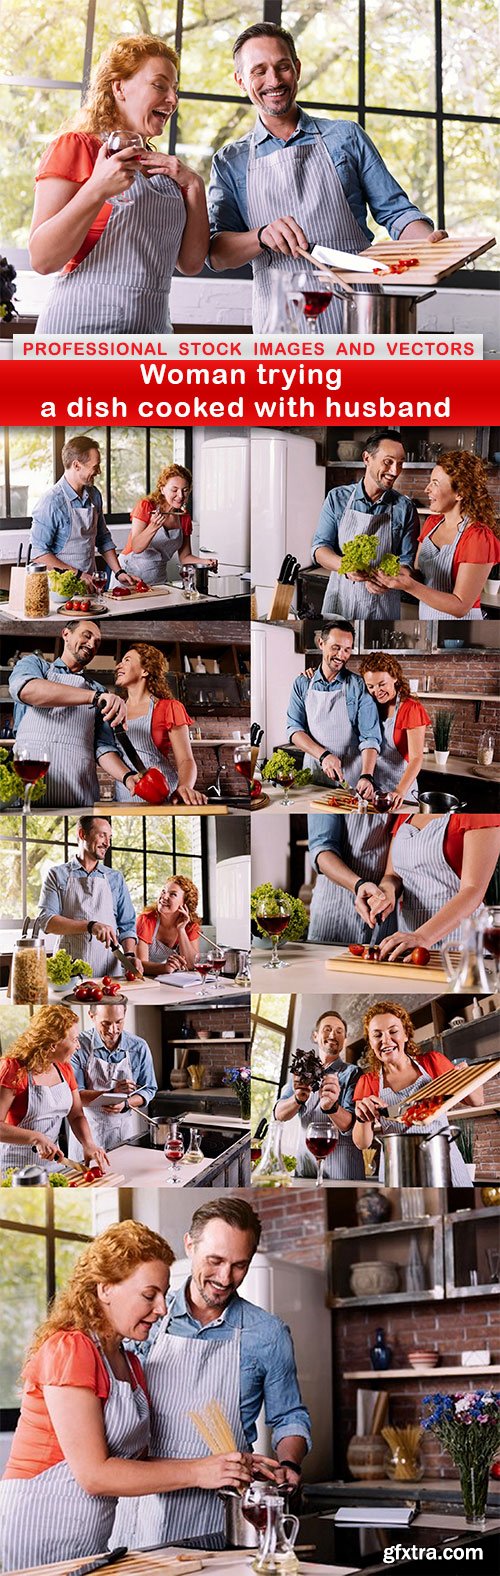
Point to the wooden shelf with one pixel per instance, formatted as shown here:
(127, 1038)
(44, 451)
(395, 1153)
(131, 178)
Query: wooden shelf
(422, 1373)
(435, 1295)
(237, 1039)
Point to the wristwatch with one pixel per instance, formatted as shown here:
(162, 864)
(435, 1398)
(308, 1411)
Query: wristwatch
(262, 243)
(294, 1466)
(368, 775)
(130, 773)
(322, 757)
(90, 926)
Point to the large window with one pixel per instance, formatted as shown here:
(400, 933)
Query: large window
(42, 1233)
(272, 1023)
(131, 461)
(421, 78)
(147, 850)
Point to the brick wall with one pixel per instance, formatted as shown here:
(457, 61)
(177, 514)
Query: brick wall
(487, 1136)
(294, 1224)
(449, 1327)
(217, 1057)
(463, 672)
(412, 481)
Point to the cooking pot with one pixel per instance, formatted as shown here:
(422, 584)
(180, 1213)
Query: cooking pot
(202, 579)
(433, 802)
(240, 1534)
(234, 962)
(371, 311)
(161, 1129)
(412, 1160)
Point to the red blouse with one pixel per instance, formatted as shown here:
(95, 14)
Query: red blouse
(71, 157)
(146, 928)
(458, 825)
(477, 545)
(410, 714)
(67, 1358)
(14, 1076)
(143, 510)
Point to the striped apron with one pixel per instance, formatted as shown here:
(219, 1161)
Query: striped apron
(151, 564)
(301, 179)
(45, 1112)
(123, 285)
(333, 918)
(67, 734)
(345, 1164)
(459, 1173)
(428, 880)
(159, 952)
(79, 550)
(49, 1517)
(435, 564)
(183, 1374)
(328, 722)
(89, 897)
(139, 731)
(108, 1129)
(351, 598)
(391, 764)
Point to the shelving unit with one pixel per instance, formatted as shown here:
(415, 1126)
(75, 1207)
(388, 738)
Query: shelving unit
(467, 1236)
(439, 1372)
(385, 1243)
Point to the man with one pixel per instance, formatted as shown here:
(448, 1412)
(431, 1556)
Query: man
(68, 522)
(69, 718)
(111, 1060)
(370, 506)
(335, 1099)
(88, 904)
(296, 179)
(215, 1345)
(333, 719)
(348, 851)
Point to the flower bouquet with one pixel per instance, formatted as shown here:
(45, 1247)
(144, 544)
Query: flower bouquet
(469, 1428)
(239, 1078)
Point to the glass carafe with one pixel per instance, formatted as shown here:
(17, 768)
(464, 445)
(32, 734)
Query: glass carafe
(464, 961)
(193, 1154)
(271, 1170)
(277, 1534)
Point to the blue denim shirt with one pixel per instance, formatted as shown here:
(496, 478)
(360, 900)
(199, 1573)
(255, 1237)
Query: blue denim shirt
(54, 889)
(267, 1362)
(51, 521)
(361, 708)
(130, 1045)
(404, 518)
(35, 667)
(366, 181)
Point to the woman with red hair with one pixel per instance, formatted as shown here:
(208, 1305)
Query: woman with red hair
(161, 527)
(403, 720)
(157, 725)
(459, 543)
(115, 222)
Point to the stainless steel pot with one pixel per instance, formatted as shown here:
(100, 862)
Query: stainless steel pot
(366, 312)
(433, 802)
(234, 962)
(239, 1532)
(161, 1130)
(412, 1160)
(202, 579)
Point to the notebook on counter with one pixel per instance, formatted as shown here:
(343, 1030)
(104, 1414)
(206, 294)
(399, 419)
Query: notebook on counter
(373, 1515)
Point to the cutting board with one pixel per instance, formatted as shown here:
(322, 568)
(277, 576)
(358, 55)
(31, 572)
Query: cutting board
(113, 807)
(76, 1175)
(132, 1565)
(436, 259)
(454, 1086)
(432, 971)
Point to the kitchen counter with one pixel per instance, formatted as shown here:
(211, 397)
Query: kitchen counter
(147, 1167)
(172, 598)
(149, 993)
(226, 1563)
(307, 973)
(459, 766)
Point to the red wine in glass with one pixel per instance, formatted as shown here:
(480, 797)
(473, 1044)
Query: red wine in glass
(217, 965)
(244, 767)
(30, 771)
(315, 302)
(255, 1152)
(257, 1515)
(174, 1150)
(491, 941)
(274, 924)
(321, 1138)
(321, 1146)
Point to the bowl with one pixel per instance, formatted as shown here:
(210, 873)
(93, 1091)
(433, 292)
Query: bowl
(347, 451)
(372, 1278)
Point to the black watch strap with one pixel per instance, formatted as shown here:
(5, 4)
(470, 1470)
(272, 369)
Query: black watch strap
(359, 883)
(262, 243)
(90, 926)
(294, 1465)
(368, 775)
(322, 756)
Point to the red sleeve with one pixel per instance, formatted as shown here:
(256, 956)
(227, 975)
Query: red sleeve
(410, 714)
(69, 1358)
(14, 1077)
(477, 545)
(434, 1063)
(71, 157)
(368, 1084)
(142, 511)
(168, 714)
(399, 821)
(145, 926)
(187, 524)
(192, 931)
(458, 825)
(67, 1071)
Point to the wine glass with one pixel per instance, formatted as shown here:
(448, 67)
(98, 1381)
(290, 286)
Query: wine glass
(174, 1151)
(115, 141)
(321, 1138)
(100, 580)
(491, 938)
(188, 577)
(243, 762)
(286, 779)
(204, 966)
(30, 769)
(310, 292)
(273, 915)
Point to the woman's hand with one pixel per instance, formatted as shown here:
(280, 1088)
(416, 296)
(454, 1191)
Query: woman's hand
(371, 902)
(188, 796)
(93, 1152)
(182, 917)
(403, 581)
(45, 1148)
(402, 941)
(154, 163)
(229, 1471)
(114, 175)
(367, 1109)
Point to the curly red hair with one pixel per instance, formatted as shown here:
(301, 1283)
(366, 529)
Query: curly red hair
(191, 895)
(111, 1258)
(168, 471)
(382, 662)
(370, 1058)
(468, 477)
(119, 62)
(155, 667)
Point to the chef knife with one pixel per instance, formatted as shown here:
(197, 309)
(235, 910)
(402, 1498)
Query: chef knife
(282, 577)
(99, 1563)
(123, 740)
(126, 959)
(256, 733)
(292, 571)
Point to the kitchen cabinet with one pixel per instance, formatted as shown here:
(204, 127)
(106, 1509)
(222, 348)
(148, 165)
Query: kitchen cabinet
(452, 1246)
(468, 1241)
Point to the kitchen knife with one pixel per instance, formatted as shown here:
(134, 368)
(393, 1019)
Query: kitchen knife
(293, 571)
(126, 959)
(351, 261)
(256, 733)
(99, 1563)
(282, 577)
(123, 740)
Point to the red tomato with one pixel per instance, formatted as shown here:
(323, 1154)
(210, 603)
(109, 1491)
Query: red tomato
(84, 992)
(69, 607)
(420, 956)
(84, 607)
(357, 951)
(96, 993)
(129, 974)
(106, 980)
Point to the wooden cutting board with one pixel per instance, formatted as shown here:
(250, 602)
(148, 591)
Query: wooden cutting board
(432, 971)
(436, 259)
(158, 1564)
(454, 1086)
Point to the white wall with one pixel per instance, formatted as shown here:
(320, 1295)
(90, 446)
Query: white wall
(270, 853)
(275, 665)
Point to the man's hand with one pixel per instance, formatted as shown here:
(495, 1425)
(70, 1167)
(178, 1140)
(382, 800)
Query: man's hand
(332, 767)
(83, 574)
(286, 236)
(104, 933)
(366, 789)
(329, 1092)
(301, 1090)
(371, 902)
(112, 708)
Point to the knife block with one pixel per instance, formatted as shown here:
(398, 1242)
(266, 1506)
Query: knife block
(281, 602)
(17, 587)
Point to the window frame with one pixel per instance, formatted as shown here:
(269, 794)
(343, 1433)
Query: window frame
(63, 850)
(259, 1020)
(182, 438)
(51, 1234)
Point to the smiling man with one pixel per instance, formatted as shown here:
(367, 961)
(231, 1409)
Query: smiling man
(68, 718)
(68, 522)
(334, 1100)
(215, 1345)
(111, 1060)
(87, 903)
(296, 179)
(371, 507)
(333, 719)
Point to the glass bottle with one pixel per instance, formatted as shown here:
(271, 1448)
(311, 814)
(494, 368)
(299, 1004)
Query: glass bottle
(36, 592)
(271, 1170)
(29, 983)
(380, 1353)
(486, 748)
(193, 1154)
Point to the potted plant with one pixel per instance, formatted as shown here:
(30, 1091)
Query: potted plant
(441, 727)
(469, 1428)
(299, 918)
(465, 1143)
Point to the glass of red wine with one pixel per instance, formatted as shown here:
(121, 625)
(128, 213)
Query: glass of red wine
(204, 965)
(321, 1138)
(117, 140)
(273, 916)
(243, 763)
(100, 580)
(491, 938)
(310, 292)
(30, 768)
(286, 779)
(174, 1150)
